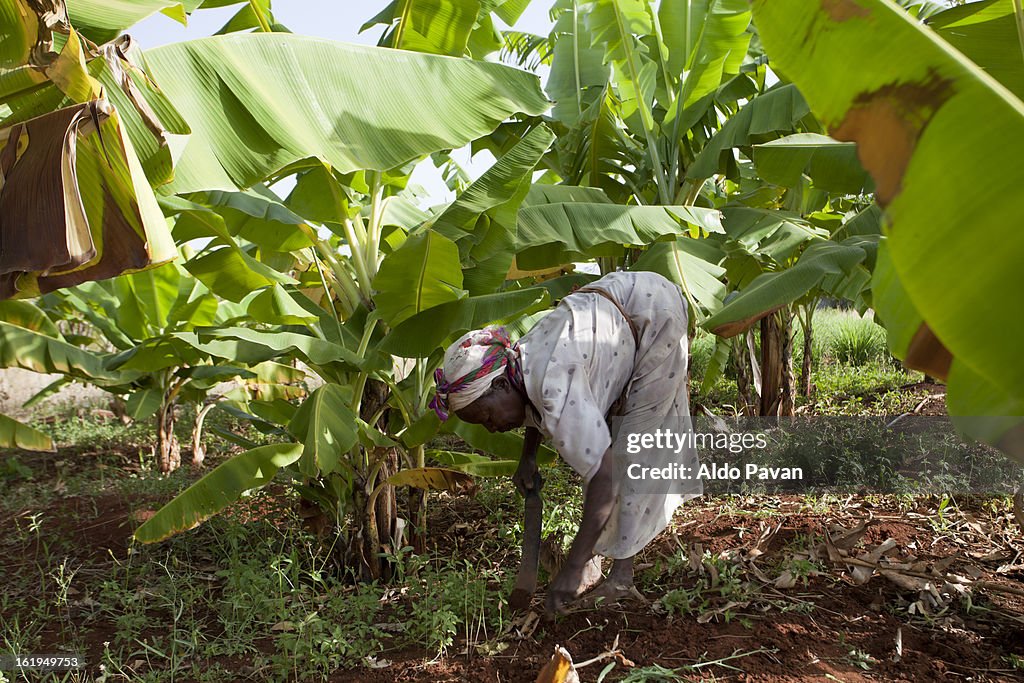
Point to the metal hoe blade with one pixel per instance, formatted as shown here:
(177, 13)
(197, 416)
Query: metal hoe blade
(526, 582)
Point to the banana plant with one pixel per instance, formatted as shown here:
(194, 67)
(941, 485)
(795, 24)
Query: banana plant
(798, 227)
(379, 289)
(30, 340)
(334, 284)
(649, 102)
(934, 109)
(33, 342)
(636, 86)
(144, 317)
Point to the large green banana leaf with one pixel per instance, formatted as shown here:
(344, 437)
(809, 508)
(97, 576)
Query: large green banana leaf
(474, 464)
(223, 266)
(555, 234)
(249, 347)
(259, 216)
(446, 27)
(277, 306)
(19, 31)
(257, 102)
(423, 333)
(693, 265)
(436, 26)
(578, 73)
(987, 33)
(822, 264)
(482, 220)
(775, 233)
(615, 24)
(719, 47)
(233, 274)
(778, 110)
(504, 445)
(38, 352)
(217, 490)
(928, 123)
(830, 164)
(26, 315)
(424, 272)
(326, 426)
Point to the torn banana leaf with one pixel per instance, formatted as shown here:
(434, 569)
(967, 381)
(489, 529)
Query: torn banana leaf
(75, 205)
(43, 78)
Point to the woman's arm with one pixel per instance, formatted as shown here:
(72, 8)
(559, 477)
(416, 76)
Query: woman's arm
(527, 477)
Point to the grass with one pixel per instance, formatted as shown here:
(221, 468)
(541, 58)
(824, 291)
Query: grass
(261, 592)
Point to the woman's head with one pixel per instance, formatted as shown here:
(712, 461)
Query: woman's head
(481, 382)
(499, 409)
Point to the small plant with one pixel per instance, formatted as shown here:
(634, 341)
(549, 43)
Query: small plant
(718, 581)
(684, 601)
(941, 521)
(12, 469)
(861, 659)
(803, 569)
(449, 596)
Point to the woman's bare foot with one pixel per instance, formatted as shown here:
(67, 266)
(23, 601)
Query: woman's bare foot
(618, 586)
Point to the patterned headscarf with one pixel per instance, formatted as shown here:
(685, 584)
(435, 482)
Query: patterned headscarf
(470, 364)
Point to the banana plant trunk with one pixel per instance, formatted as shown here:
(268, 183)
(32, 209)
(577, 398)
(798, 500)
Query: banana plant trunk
(778, 384)
(418, 510)
(376, 520)
(167, 446)
(377, 506)
(744, 381)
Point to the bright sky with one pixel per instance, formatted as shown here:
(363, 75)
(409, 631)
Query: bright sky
(337, 20)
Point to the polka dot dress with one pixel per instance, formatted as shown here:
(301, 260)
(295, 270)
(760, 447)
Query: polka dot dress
(576, 362)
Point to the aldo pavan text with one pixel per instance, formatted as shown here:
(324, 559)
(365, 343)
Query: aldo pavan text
(714, 472)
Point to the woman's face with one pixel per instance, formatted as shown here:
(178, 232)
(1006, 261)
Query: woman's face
(500, 409)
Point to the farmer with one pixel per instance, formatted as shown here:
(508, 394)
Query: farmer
(614, 349)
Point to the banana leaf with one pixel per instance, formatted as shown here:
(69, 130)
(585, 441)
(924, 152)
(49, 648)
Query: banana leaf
(258, 102)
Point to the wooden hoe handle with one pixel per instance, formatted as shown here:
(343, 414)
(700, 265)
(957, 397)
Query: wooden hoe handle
(526, 582)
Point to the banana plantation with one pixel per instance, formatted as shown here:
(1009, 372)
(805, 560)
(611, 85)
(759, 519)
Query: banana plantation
(235, 269)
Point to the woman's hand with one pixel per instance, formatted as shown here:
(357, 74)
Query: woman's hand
(527, 477)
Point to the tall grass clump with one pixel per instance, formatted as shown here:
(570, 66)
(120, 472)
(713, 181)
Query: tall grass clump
(858, 341)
